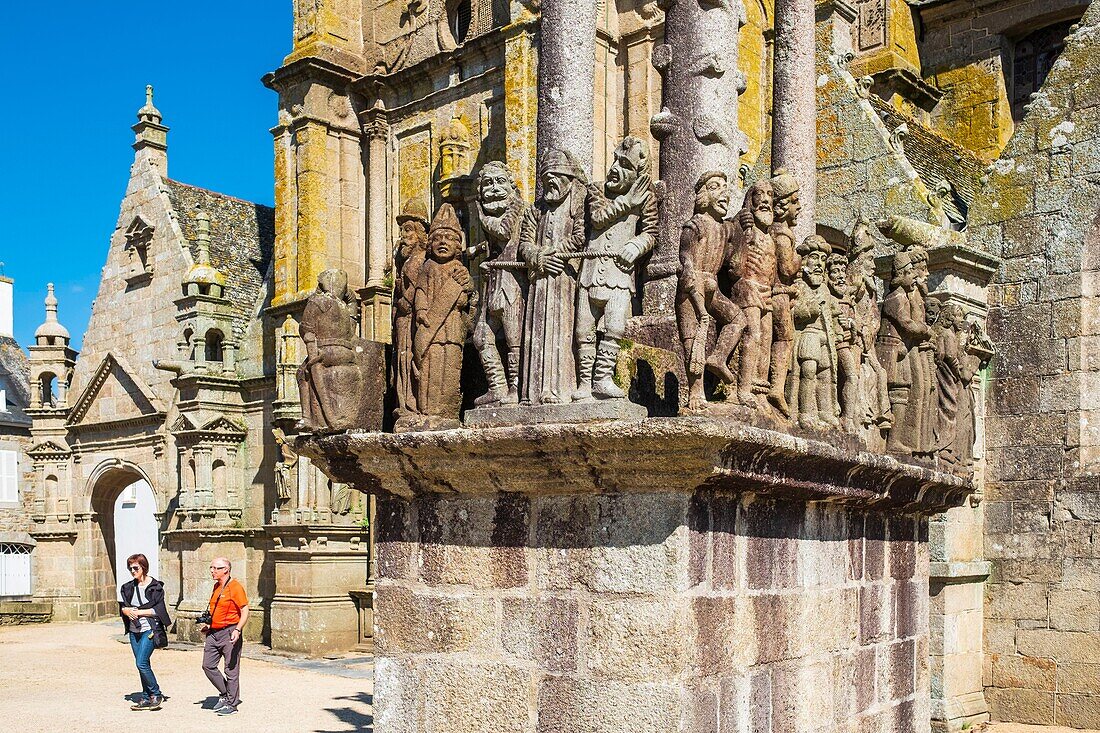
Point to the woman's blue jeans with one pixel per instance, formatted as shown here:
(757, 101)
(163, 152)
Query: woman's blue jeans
(143, 646)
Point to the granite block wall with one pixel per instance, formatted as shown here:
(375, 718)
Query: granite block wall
(707, 612)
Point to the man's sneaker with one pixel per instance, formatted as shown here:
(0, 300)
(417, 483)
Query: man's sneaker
(142, 704)
(154, 702)
(227, 710)
(222, 703)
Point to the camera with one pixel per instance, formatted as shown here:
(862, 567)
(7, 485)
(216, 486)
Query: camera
(204, 618)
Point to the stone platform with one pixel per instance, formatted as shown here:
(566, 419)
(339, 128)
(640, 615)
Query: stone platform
(654, 575)
(574, 412)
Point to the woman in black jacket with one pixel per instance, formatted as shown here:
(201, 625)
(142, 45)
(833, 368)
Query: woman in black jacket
(146, 620)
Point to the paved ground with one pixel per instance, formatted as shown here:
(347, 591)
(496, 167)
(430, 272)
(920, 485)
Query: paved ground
(62, 678)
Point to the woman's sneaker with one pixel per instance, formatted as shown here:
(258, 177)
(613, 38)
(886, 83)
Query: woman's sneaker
(222, 703)
(227, 710)
(142, 704)
(154, 702)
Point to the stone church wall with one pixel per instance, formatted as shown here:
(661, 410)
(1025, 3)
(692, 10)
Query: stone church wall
(1039, 212)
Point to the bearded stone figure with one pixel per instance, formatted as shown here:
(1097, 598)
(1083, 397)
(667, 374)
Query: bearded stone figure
(410, 253)
(441, 305)
(816, 316)
(500, 318)
(704, 251)
(847, 373)
(333, 380)
(874, 414)
(787, 208)
(927, 399)
(623, 214)
(553, 230)
(753, 269)
(902, 345)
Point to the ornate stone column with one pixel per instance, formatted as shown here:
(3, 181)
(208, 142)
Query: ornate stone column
(794, 103)
(566, 78)
(378, 292)
(696, 127)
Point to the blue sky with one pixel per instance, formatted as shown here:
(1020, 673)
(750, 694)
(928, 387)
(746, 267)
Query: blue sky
(76, 78)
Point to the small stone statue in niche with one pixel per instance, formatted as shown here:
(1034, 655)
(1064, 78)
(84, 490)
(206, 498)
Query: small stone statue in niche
(847, 374)
(500, 210)
(874, 414)
(817, 324)
(441, 315)
(903, 341)
(753, 270)
(411, 251)
(340, 382)
(704, 251)
(553, 233)
(623, 215)
(787, 208)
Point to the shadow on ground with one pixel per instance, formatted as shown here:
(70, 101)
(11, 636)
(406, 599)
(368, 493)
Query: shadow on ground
(354, 717)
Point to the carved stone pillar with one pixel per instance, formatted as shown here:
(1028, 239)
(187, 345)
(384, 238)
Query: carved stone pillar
(697, 126)
(377, 294)
(566, 76)
(794, 103)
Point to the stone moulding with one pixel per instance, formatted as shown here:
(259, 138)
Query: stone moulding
(681, 454)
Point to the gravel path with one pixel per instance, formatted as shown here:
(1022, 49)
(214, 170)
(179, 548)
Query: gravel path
(61, 678)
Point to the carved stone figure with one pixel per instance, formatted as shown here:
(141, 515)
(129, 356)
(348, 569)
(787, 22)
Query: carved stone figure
(441, 313)
(961, 350)
(284, 468)
(753, 268)
(623, 215)
(927, 399)
(787, 206)
(704, 251)
(902, 346)
(500, 318)
(873, 395)
(333, 380)
(847, 356)
(410, 254)
(816, 316)
(553, 230)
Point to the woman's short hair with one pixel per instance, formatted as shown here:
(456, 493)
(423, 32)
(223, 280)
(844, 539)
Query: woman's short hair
(140, 560)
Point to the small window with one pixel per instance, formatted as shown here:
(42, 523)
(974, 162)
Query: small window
(461, 15)
(213, 346)
(9, 476)
(1032, 59)
(3, 400)
(15, 570)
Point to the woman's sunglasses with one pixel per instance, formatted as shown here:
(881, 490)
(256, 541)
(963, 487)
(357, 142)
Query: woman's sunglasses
(135, 568)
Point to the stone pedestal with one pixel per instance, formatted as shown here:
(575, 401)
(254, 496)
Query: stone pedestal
(665, 574)
(312, 612)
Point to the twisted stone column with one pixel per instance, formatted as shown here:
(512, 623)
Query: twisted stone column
(794, 102)
(566, 78)
(697, 125)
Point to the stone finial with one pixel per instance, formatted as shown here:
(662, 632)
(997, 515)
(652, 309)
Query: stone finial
(149, 113)
(151, 137)
(203, 273)
(51, 328)
(455, 148)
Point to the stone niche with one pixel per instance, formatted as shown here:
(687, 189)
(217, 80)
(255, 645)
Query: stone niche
(654, 575)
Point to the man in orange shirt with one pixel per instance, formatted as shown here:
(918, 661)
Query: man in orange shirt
(228, 615)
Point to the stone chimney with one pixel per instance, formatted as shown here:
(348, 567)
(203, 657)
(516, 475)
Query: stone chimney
(7, 321)
(151, 141)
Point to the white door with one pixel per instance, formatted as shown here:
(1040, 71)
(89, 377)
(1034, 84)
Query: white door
(136, 530)
(15, 570)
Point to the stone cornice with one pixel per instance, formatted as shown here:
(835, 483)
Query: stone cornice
(681, 454)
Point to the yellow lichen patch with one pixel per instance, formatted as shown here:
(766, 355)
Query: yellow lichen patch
(975, 112)
(312, 206)
(414, 168)
(285, 194)
(753, 60)
(521, 108)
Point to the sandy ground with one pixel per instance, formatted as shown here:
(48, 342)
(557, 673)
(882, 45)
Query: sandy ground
(57, 678)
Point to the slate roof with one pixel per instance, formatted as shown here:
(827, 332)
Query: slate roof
(936, 158)
(242, 240)
(15, 379)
